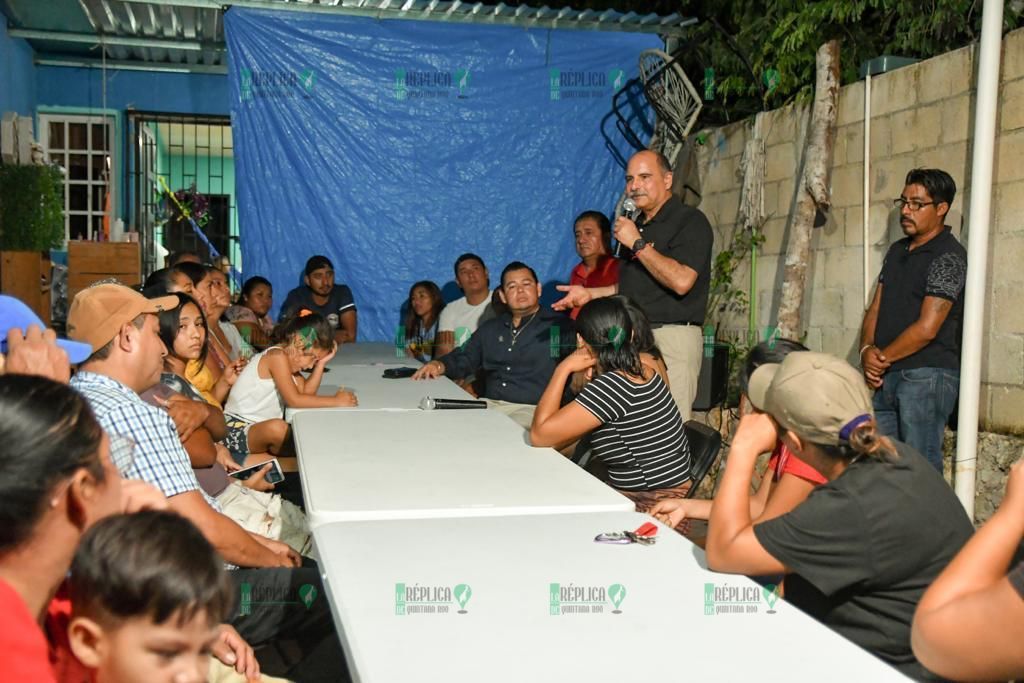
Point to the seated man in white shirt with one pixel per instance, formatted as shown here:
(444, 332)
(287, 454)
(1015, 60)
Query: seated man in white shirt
(460, 318)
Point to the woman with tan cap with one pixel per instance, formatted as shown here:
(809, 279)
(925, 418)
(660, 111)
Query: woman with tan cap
(863, 547)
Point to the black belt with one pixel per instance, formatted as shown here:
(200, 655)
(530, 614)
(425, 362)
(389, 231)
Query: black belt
(655, 326)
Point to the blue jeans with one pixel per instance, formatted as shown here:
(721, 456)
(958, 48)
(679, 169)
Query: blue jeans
(913, 406)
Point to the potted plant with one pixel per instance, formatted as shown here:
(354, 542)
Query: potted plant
(31, 223)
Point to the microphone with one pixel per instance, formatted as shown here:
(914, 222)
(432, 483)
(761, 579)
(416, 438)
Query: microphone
(629, 208)
(629, 211)
(428, 403)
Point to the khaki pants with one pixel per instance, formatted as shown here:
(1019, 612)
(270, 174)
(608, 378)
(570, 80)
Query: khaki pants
(521, 413)
(682, 346)
(267, 515)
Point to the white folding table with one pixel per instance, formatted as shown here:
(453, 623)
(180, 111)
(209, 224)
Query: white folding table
(369, 353)
(375, 392)
(408, 464)
(397, 587)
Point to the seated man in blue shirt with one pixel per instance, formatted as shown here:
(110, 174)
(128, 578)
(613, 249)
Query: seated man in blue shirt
(517, 352)
(321, 295)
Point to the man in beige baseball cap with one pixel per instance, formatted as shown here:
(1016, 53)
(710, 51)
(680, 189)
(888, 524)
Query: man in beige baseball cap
(859, 552)
(121, 326)
(818, 396)
(99, 312)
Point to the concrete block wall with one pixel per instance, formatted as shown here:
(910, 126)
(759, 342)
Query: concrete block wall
(921, 115)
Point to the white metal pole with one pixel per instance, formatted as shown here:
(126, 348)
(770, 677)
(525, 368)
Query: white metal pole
(977, 251)
(867, 190)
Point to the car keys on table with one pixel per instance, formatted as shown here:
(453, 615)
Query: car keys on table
(645, 535)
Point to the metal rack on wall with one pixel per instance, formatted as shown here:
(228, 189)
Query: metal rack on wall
(182, 149)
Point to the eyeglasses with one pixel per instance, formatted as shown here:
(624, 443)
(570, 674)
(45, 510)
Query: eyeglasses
(122, 452)
(914, 204)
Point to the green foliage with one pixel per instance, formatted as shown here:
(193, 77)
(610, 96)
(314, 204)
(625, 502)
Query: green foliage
(724, 297)
(31, 208)
(742, 39)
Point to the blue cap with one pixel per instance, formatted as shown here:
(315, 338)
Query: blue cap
(13, 313)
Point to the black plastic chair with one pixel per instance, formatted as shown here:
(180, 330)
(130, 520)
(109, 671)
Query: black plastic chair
(705, 443)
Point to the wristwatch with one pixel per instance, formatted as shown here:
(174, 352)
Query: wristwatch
(638, 245)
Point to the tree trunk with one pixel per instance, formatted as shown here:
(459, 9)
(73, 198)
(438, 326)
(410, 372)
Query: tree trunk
(813, 191)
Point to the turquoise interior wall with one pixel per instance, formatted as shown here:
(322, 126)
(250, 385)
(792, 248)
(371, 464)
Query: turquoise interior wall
(17, 75)
(81, 90)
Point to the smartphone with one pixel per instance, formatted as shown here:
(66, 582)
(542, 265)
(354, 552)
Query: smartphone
(274, 475)
(399, 373)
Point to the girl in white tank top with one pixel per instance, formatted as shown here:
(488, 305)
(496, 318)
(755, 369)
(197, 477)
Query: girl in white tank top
(274, 379)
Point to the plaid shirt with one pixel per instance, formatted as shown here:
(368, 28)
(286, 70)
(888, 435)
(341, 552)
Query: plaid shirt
(160, 459)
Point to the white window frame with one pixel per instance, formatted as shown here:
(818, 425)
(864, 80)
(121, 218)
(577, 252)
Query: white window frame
(59, 155)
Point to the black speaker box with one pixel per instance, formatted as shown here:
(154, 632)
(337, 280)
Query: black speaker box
(713, 383)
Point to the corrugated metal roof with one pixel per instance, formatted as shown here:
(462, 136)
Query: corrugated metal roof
(188, 35)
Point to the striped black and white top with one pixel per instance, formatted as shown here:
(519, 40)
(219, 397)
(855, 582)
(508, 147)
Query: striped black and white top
(641, 440)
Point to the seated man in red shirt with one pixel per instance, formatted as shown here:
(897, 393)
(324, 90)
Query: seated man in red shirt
(598, 268)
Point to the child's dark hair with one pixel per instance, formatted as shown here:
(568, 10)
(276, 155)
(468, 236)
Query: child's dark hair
(151, 564)
(251, 284)
(195, 271)
(170, 322)
(643, 335)
(162, 280)
(606, 327)
(771, 351)
(312, 328)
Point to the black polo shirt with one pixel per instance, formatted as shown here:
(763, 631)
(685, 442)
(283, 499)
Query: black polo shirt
(516, 369)
(682, 233)
(936, 268)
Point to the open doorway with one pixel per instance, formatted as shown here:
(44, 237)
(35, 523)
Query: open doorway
(192, 158)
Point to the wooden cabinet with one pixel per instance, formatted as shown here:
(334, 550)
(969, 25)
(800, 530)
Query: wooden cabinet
(90, 262)
(25, 275)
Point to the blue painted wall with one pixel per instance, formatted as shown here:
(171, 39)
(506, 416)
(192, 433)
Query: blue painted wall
(18, 75)
(82, 88)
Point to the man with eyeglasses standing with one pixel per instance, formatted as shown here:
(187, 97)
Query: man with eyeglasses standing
(910, 339)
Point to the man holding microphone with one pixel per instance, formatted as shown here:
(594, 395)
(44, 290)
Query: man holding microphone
(666, 270)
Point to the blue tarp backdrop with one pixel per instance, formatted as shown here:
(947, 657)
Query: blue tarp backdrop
(394, 146)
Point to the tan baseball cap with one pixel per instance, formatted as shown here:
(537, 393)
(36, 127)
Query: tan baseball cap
(818, 396)
(98, 313)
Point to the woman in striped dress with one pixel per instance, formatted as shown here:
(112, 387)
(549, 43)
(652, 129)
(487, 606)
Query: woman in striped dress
(637, 429)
